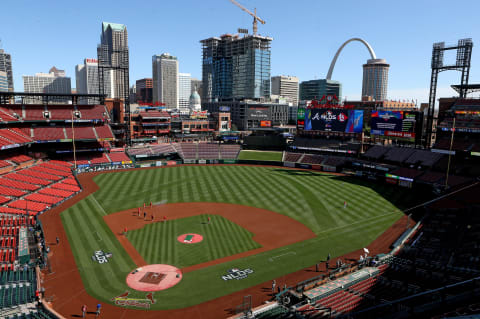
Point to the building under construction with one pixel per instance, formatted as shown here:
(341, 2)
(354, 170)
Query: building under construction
(235, 67)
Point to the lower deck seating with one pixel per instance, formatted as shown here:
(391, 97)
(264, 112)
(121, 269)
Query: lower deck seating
(312, 159)
(42, 198)
(292, 157)
(229, 151)
(27, 205)
(20, 159)
(100, 159)
(119, 157)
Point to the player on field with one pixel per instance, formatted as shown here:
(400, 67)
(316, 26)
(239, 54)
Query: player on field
(84, 311)
(99, 306)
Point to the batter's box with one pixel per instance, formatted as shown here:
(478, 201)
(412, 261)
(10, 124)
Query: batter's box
(152, 278)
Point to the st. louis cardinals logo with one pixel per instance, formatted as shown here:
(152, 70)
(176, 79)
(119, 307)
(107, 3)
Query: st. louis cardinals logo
(124, 300)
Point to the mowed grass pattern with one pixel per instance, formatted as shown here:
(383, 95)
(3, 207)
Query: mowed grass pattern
(260, 155)
(315, 199)
(158, 244)
(88, 233)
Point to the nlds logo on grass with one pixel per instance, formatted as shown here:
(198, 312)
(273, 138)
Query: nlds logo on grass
(101, 257)
(237, 274)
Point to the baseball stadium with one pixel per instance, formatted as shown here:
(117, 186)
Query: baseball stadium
(211, 228)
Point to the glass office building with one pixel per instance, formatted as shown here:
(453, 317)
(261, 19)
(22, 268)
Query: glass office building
(236, 67)
(316, 89)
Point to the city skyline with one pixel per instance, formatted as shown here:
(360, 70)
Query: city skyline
(304, 41)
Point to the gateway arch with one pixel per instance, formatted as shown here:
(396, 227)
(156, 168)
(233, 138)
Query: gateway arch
(332, 65)
(375, 72)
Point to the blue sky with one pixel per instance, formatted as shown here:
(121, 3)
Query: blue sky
(307, 33)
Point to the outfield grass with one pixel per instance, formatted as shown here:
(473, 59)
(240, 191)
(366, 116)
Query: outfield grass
(260, 155)
(221, 238)
(315, 199)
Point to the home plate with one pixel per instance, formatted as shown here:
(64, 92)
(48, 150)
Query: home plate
(154, 277)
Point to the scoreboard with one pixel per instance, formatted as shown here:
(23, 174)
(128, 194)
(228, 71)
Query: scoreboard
(333, 120)
(394, 123)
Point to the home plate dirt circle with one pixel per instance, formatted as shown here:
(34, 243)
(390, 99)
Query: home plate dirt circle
(154, 277)
(190, 238)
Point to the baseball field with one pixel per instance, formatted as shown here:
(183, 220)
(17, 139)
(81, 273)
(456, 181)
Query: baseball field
(235, 237)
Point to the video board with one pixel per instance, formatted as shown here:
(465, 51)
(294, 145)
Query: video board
(265, 123)
(394, 123)
(334, 120)
(300, 118)
(258, 113)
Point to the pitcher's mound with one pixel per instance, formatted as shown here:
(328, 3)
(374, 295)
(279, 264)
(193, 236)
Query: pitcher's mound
(154, 277)
(190, 238)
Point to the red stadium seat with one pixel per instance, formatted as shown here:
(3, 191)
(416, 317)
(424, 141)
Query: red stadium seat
(27, 179)
(17, 184)
(35, 173)
(104, 131)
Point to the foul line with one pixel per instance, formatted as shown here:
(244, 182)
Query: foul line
(358, 222)
(400, 211)
(103, 210)
(99, 238)
(289, 253)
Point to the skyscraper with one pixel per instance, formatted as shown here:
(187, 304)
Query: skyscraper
(236, 67)
(3, 81)
(316, 89)
(287, 87)
(57, 72)
(165, 80)
(86, 76)
(113, 54)
(184, 90)
(47, 83)
(6, 66)
(375, 79)
(144, 90)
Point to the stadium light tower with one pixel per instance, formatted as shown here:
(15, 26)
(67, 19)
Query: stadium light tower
(462, 64)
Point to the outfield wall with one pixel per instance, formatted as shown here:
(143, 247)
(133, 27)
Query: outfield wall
(375, 172)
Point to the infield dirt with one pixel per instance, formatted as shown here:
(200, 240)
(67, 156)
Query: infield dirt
(271, 230)
(64, 285)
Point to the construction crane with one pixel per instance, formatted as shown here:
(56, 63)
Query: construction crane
(254, 15)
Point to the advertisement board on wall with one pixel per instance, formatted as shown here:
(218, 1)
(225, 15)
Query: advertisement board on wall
(300, 113)
(265, 123)
(394, 123)
(224, 108)
(334, 120)
(258, 113)
(300, 117)
(199, 115)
